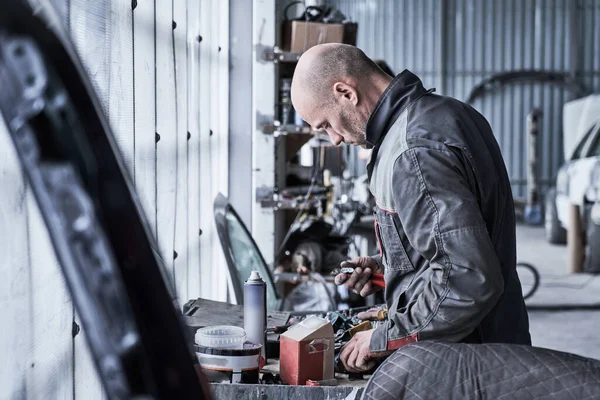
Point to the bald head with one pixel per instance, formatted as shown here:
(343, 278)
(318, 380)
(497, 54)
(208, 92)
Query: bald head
(335, 87)
(322, 65)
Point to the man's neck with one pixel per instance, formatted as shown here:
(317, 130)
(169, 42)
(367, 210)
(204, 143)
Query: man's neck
(373, 89)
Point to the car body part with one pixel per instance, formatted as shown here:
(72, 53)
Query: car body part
(436, 370)
(503, 78)
(241, 253)
(94, 219)
(555, 233)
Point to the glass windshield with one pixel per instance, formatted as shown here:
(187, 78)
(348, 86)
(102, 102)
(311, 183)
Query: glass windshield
(579, 149)
(594, 150)
(247, 257)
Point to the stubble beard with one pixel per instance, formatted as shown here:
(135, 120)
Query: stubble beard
(355, 126)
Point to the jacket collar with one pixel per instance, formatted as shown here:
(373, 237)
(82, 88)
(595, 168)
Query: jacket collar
(402, 91)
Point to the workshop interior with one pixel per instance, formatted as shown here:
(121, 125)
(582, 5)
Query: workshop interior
(172, 228)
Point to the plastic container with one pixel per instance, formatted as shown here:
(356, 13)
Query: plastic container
(221, 337)
(230, 365)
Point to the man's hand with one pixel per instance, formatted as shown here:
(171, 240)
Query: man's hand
(359, 279)
(356, 355)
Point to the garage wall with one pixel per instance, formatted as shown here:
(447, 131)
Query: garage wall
(453, 44)
(160, 69)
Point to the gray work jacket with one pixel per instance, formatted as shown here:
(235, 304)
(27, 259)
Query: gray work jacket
(445, 222)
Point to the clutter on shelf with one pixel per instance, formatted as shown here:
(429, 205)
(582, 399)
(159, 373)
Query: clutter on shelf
(317, 25)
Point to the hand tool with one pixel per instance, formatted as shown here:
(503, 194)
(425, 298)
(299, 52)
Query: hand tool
(377, 280)
(279, 328)
(377, 315)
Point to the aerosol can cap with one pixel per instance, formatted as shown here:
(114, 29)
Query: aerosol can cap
(254, 276)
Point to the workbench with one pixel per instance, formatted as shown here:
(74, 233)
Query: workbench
(201, 312)
(267, 392)
(345, 389)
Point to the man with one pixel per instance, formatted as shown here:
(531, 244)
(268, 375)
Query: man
(445, 214)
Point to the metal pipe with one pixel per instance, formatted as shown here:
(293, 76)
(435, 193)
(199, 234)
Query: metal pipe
(574, 51)
(441, 73)
(575, 242)
(533, 211)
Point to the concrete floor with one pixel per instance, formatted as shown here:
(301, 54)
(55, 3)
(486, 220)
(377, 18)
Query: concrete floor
(575, 332)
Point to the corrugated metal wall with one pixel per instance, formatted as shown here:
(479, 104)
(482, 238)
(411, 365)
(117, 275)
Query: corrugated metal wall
(160, 70)
(456, 43)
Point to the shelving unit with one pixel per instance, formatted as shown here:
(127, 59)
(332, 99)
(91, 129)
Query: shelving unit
(276, 140)
(286, 139)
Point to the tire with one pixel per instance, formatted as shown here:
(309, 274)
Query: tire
(555, 233)
(535, 275)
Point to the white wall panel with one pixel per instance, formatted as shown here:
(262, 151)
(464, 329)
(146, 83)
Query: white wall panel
(149, 79)
(166, 120)
(51, 315)
(15, 293)
(180, 264)
(207, 238)
(144, 168)
(86, 378)
(220, 145)
(263, 100)
(120, 76)
(62, 9)
(193, 149)
(91, 36)
(102, 33)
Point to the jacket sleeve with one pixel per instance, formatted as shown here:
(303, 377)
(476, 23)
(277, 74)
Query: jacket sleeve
(379, 261)
(441, 217)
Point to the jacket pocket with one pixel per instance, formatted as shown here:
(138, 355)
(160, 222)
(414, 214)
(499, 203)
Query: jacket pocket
(392, 240)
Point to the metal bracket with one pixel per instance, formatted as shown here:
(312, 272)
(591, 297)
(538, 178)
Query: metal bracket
(282, 130)
(276, 55)
(264, 193)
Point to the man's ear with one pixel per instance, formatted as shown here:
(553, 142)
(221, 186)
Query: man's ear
(344, 93)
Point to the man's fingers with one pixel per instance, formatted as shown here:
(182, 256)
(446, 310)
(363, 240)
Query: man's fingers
(367, 366)
(345, 353)
(366, 290)
(340, 279)
(353, 278)
(362, 361)
(364, 315)
(362, 279)
(352, 358)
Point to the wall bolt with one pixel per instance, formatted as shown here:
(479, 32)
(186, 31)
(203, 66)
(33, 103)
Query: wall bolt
(75, 329)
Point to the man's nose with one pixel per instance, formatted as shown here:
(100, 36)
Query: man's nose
(336, 139)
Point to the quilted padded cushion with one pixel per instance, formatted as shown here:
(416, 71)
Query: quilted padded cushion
(435, 370)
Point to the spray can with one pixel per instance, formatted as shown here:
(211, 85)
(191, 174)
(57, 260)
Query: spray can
(255, 312)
